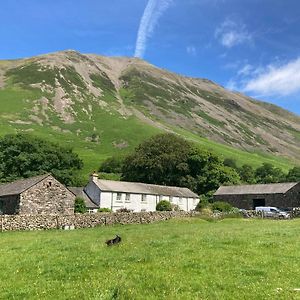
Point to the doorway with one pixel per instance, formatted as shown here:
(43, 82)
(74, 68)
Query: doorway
(258, 202)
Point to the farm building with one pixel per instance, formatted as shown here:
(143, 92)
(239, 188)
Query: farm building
(36, 195)
(137, 196)
(281, 195)
(80, 193)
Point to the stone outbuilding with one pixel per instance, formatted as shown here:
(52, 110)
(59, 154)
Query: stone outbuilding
(281, 195)
(38, 195)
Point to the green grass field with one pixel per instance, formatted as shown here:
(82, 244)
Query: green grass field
(177, 259)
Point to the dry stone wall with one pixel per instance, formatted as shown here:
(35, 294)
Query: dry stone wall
(43, 222)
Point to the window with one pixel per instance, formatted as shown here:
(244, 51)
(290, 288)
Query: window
(180, 200)
(48, 184)
(119, 197)
(171, 199)
(1, 207)
(127, 198)
(144, 198)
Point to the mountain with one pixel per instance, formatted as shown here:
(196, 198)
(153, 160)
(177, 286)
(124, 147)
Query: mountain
(103, 106)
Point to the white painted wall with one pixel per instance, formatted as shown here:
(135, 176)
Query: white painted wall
(137, 203)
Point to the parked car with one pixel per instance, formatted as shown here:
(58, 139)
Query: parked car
(274, 212)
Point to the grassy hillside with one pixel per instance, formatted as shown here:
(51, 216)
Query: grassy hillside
(107, 106)
(177, 259)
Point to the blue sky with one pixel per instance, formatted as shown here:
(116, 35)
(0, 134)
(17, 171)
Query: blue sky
(252, 46)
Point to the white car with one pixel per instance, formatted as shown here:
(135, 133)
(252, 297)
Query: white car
(270, 211)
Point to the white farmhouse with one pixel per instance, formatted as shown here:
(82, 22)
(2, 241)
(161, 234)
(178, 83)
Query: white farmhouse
(137, 196)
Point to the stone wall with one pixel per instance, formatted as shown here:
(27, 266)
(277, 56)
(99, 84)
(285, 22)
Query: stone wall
(39, 222)
(48, 196)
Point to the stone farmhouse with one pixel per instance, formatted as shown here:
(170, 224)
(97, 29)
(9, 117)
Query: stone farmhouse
(36, 195)
(135, 196)
(281, 195)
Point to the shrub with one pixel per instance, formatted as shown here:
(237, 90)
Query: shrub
(221, 206)
(164, 205)
(203, 203)
(104, 209)
(79, 205)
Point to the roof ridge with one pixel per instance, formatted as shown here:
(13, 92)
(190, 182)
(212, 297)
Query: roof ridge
(22, 181)
(143, 183)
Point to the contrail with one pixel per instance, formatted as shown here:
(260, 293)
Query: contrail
(152, 12)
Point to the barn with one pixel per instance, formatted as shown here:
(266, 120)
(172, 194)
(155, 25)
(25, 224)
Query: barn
(281, 195)
(36, 195)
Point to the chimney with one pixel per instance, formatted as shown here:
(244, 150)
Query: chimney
(94, 176)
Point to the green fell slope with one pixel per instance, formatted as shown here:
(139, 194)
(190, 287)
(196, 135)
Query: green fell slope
(104, 106)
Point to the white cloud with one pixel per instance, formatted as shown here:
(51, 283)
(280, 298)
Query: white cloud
(245, 70)
(151, 15)
(191, 50)
(231, 33)
(232, 85)
(276, 80)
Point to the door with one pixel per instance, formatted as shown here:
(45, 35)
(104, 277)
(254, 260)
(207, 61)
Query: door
(259, 202)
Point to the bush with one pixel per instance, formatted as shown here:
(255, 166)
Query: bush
(104, 209)
(164, 205)
(221, 206)
(203, 203)
(79, 205)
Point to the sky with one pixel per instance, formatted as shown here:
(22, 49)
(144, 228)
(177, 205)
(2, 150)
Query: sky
(250, 46)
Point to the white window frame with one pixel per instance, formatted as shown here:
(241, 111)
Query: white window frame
(119, 197)
(144, 198)
(127, 197)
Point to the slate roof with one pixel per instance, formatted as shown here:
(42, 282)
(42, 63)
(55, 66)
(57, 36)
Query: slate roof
(79, 192)
(143, 188)
(256, 189)
(19, 186)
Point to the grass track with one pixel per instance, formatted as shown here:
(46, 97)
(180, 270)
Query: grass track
(177, 259)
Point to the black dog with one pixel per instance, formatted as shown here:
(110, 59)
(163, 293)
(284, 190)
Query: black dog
(114, 241)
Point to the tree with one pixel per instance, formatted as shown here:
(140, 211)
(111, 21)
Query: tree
(247, 174)
(159, 160)
(267, 173)
(170, 160)
(230, 162)
(293, 175)
(79, 205)
(112, 165)
(23, 155)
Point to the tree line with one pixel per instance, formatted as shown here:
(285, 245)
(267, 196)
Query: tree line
(165, 159)
(24, 155)
(168, 159)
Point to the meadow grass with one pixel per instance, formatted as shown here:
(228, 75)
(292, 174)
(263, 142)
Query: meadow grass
(177, 259)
